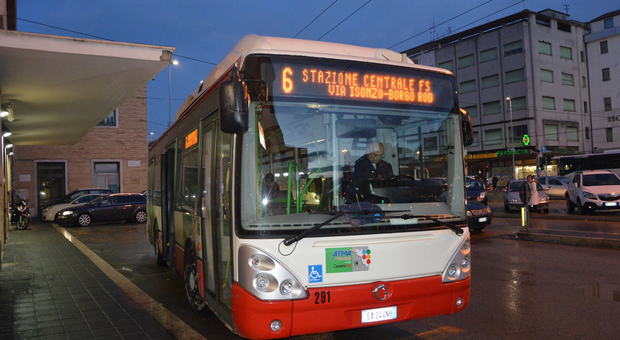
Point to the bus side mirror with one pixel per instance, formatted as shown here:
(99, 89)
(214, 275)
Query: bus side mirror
(467, 127)
(233, 104)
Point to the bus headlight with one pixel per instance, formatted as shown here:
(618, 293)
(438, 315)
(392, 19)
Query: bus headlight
(460, 264)
(266, 278)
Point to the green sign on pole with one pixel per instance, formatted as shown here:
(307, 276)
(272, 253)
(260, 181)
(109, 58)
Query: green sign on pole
(526, 139)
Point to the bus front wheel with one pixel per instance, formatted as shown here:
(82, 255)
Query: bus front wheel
(192, 278)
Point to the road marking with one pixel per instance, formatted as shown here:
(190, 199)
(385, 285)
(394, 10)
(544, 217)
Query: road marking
(165, 317)
(436, 333)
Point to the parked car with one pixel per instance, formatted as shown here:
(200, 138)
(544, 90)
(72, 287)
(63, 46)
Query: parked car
(554, 186)
(512, 197)
(593, 190)
(478, 215)
(475, 190)
(49, 213)
(80, 192)
(114, 207)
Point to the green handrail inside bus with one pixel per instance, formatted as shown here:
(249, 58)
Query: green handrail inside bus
(291, 166)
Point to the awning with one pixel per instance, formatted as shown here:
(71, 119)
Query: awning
(60, 87)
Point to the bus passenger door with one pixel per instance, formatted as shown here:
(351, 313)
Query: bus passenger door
(167, 194)
(216, 209)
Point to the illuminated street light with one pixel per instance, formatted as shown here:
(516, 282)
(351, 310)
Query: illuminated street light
(174, 62)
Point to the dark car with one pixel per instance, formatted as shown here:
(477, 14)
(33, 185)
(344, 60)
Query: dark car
(475, 190)
(478, 215)
(114, 207)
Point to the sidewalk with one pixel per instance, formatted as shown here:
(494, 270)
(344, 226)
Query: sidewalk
(50, 290)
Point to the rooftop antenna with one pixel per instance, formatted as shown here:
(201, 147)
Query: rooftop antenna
(566, 7)
(433, 31)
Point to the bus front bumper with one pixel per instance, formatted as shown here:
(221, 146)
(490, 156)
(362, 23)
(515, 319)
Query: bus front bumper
(335, 308)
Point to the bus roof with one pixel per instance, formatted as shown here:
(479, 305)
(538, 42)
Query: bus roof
(252, 44)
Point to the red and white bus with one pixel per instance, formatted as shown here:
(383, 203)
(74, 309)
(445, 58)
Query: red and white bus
(262, 195)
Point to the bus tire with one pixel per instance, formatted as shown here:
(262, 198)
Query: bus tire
(191, 278)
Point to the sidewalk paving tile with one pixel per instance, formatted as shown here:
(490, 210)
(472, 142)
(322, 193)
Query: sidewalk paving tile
(50, 290)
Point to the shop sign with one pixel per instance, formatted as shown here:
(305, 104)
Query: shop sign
(501, 153)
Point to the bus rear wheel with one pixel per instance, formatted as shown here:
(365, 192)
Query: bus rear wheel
(192, 279)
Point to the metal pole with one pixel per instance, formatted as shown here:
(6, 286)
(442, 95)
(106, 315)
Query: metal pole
(511, 139)
(169, 94)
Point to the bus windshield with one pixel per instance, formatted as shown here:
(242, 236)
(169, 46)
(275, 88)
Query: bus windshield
(306, 159)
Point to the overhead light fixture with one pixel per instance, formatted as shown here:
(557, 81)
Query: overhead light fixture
(11, 153)
(7, 111)
(7, 134)
(8, 146)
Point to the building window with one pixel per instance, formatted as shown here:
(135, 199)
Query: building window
(488, 55)
(519, 131)
(493, 136)
(562, 26)
(569, 105)
(476, 138)
(471, 110)
(585, 107)
(466, 61)
(609, 134)
(587, 132)
(583, 82)
(551, 132)
(514, 76)
(548, 103)
(518, 103)
(605, 74)
(607, 103)
(490, 81)
(546, 75)
(448, 65)
(107, 176)
(544, 48)
(583, 56)
(513, 48)
(567, 79)
(541, 20)
(604, 47)
(430, 143)
(572, 134)
(566, 53)
(467, 86)
(608, 23)
(490, 108)
(110, 120)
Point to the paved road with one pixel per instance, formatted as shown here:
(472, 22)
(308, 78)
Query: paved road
(521, 290)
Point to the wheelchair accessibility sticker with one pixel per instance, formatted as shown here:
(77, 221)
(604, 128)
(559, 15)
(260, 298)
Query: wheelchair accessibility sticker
(315, 273)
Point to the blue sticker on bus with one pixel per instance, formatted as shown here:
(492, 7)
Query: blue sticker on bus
(315, 273)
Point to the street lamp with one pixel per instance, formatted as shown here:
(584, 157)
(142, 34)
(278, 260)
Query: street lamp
(174, 62)
(511, 139)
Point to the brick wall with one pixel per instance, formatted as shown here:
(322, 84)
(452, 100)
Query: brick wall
(123, 143)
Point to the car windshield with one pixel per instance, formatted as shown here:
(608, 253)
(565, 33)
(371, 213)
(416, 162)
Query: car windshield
(600, 179)
(518, 186)
(305, 160)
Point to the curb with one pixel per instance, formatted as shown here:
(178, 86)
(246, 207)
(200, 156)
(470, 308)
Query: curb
(570, 240)
(561, 217)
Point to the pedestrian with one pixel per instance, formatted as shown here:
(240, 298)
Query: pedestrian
(534, 198)
(494, 180)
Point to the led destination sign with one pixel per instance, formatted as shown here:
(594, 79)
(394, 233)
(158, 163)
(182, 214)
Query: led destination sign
(357, 85)
(310, 78)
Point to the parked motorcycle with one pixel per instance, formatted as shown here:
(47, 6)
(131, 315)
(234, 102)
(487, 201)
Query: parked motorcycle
(20, 214)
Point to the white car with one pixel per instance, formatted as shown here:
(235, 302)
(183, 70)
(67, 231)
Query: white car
(593, 190)
(49, 213)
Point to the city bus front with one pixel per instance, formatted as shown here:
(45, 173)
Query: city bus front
(351, 197)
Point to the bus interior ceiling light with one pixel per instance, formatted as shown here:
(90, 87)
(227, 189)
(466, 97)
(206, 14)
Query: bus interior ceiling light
(7, 109)
(7, 134)
(8, 146)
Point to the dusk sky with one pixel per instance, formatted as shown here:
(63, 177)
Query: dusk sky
(206, 30)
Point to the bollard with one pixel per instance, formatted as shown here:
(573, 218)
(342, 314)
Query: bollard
(525, 218)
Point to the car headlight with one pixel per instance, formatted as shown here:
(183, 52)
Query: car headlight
(482, 195)
(514, 200)
(589, 195)
(67, 213)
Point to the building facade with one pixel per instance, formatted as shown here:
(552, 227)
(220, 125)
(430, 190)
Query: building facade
(112, 155)
(603, 52)
(523, 80)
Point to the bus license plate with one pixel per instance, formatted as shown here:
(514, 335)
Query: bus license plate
(379, 314)
(611, 204)
(482, 219)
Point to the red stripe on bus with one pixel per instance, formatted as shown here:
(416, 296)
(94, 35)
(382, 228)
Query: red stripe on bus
(414, 299)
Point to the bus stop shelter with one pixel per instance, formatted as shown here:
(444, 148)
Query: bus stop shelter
(54, 89)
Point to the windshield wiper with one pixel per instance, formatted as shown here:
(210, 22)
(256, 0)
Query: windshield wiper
(457, 230)
(298, 237)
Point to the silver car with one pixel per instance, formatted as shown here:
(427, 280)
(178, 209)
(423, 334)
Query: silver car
(554, 186)
(512, 197)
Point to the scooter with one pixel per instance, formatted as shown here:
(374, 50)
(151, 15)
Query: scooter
(20, 214)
